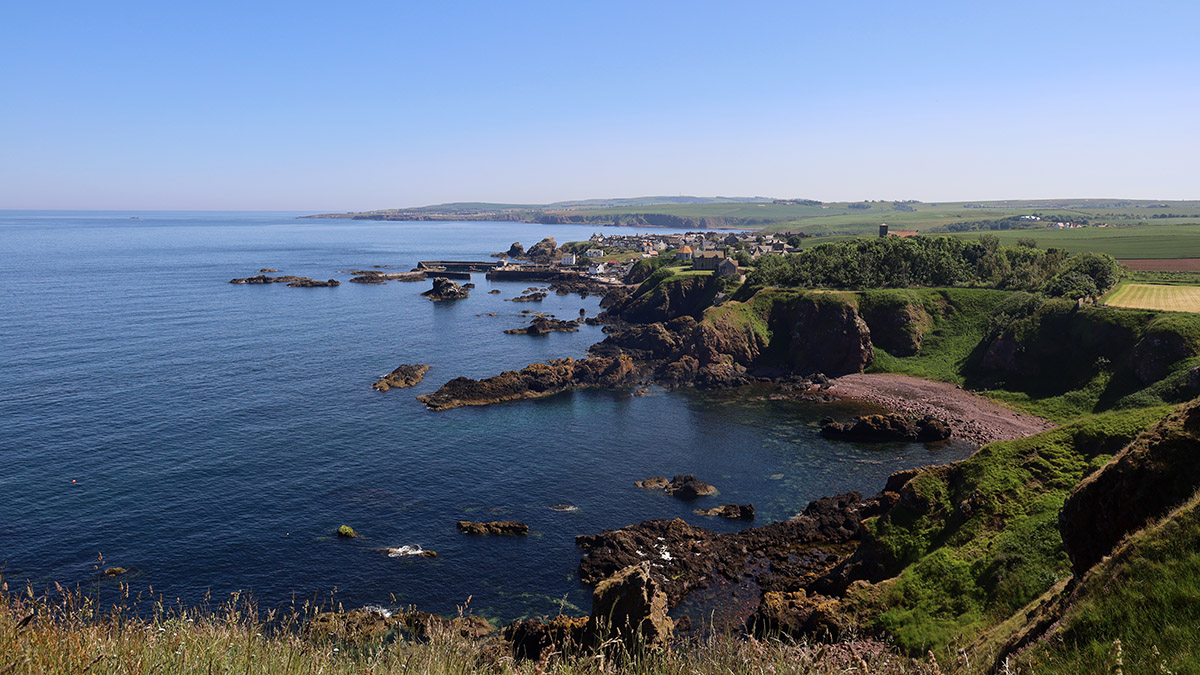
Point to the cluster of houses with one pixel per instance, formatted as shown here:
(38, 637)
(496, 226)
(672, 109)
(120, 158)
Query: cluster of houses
(713, 251)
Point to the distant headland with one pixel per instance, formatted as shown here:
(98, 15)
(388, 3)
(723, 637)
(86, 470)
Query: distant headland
(809, 216)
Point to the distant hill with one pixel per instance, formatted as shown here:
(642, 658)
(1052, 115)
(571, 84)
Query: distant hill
(811, 216)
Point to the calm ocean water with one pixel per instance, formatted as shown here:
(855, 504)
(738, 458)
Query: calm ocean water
(211, 437)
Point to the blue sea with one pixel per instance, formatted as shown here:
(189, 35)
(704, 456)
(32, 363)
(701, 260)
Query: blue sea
(211, 437)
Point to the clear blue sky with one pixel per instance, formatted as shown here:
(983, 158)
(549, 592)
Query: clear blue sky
(360, 105)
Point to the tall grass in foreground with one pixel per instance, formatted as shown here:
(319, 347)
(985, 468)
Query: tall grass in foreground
(68, 634)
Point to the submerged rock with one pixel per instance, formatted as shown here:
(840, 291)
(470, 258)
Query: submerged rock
(406, 375)
(731, 511)
(542, 325)
(512, 527)
(655, 483)
(313, 283)
(407, 551)
(264, 279)
(683, 486)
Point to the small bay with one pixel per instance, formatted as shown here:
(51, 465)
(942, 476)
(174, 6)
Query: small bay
(211, 437)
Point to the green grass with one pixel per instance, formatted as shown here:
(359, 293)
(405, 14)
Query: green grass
(1147, 240)
(70, 634)
(976, 541)
(1144, 599)
(960, 320)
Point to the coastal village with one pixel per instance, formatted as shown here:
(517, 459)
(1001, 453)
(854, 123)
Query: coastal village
(608, 258)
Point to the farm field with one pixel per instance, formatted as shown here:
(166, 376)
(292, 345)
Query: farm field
(1152, 296)
(1135, 241)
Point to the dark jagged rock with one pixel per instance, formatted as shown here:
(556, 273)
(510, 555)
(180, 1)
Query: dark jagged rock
(795, 614)
(537, 296)
(494, 291)
(264, 279)
(445, 289)
(424, 625)
(406, 375)
(355, 626)
(313, 283)
(828, 337)
(542, 325)
(544, 251)
(686, 296)
(582, 287)
(782, 556)
(630, 607)
(534, 381)
(641, 342)
(613, 297)
(267, 270)
(511, 527)
(730, 511)
(516, 250)
(682, 486)
(689, 487)
(888, 427)
(530, 638)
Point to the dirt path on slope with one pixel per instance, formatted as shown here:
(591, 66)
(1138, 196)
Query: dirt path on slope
(971, 417)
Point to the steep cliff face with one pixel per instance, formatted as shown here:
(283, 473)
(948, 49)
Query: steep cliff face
(1156, 473)
(1167, 340)
(826, 335)
(898, 320)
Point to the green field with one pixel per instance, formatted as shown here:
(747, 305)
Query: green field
(1151, 240)
(1153, 296)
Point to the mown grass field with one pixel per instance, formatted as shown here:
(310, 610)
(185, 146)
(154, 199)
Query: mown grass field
(1154, 296)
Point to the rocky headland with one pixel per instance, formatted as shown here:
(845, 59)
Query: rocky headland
(534, 381)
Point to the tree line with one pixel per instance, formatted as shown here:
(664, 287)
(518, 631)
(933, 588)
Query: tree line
(895, 262)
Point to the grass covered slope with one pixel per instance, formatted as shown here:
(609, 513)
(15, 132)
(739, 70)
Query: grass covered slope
(954, 323)
(971, 543)
(1137, 609)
